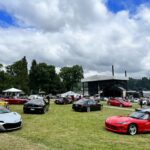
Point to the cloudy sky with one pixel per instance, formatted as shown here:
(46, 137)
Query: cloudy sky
(93, 33)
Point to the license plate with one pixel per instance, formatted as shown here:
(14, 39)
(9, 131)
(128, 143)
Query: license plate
(32, 109)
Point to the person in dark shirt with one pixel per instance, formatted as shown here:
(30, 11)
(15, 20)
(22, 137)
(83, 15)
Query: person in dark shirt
(141, 102)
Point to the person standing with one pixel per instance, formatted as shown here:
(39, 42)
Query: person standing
(141, 102)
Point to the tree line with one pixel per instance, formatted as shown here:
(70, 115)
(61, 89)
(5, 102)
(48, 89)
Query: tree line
(40, 77)
(139, 84)
(43, 77)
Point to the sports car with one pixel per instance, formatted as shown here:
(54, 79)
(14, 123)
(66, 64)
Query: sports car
(137, 122)
(4, 103)
(86, 105)
(118, 102)
(15, 100)
(63, 100)
(9, 120)
(39, 105)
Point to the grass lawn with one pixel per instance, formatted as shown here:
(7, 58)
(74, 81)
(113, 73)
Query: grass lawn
(63, 129)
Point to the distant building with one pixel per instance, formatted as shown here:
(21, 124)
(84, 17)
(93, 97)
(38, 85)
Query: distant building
(107, 86)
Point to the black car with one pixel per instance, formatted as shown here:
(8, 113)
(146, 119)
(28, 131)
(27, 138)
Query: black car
(39, 105)
(86, 105)
(63, 100)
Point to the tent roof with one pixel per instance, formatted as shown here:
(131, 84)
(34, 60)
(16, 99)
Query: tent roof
(12, 90)
(69, 93)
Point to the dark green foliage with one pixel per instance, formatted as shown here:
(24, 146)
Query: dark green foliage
(43, 77)
(139, 84)
(18, 73)
(71, 76)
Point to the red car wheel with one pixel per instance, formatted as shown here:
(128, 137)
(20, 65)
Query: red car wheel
(132, 129)
(121, 105)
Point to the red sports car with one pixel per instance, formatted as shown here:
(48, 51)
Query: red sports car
(137, 122)
(119, 102)
(15, 100)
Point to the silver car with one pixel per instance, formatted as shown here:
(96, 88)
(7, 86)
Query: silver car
(9, 120)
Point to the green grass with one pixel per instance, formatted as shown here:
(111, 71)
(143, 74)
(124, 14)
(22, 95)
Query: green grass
(63, 129)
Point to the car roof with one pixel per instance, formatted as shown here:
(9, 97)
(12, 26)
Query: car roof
(145, 110)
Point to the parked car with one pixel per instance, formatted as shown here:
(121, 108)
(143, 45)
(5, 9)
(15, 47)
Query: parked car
(63, 100)
(86, 105)
(39, 105)
(137, 122)
(9, 120)
(15, 100)
(4, 103)
(148, 102)
(135, 100)
(119, 102)
(34, 97)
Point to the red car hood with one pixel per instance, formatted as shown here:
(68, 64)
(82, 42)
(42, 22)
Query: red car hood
(118, 119)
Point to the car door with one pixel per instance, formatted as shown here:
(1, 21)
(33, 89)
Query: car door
(117, 102)
(91, 104)
(114, 102)
(144, 123)
(147, 122)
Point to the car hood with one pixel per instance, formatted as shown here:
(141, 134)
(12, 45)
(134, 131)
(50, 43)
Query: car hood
(118, 119)
(11, 117)
(127, 103)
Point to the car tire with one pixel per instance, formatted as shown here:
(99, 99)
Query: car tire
(24, 111)
(88, 109)
(121, 105)
(43, 111)
(132, 129)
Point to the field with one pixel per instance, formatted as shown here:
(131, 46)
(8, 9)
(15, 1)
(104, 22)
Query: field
(63, 129)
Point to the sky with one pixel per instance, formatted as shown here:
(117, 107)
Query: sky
(93, 33)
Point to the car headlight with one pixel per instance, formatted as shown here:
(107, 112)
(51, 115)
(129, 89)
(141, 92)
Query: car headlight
(123, 122)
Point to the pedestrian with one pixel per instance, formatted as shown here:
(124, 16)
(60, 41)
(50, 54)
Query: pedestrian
(141, 102)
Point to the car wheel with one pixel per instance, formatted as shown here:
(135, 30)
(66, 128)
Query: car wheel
(88, 109)
(43, 111)
(121, 105)
(132, 129)
(24, 111)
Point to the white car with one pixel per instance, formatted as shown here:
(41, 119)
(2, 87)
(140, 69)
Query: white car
(9, 120)
(34, 97)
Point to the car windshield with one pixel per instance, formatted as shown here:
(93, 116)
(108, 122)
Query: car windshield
(139, 115)
(121, 100)
(82, 101)
(36, 101)
(4, 110)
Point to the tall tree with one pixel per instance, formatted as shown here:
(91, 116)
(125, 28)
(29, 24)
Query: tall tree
(33, 77)
(19, 73)
(71, 76)
(44, 77)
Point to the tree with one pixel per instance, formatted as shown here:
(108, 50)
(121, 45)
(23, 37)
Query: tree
(19, 74)
(71, 76)
(44, 77)
(33, 77)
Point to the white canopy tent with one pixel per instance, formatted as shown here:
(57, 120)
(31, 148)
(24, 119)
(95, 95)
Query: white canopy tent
(70, 93)
(12, 90)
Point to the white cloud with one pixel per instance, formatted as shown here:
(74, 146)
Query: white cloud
(72, 32)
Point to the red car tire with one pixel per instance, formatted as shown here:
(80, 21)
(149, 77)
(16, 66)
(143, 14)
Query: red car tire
(132, 129)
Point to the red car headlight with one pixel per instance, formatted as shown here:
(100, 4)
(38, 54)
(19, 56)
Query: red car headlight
(122, 122)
